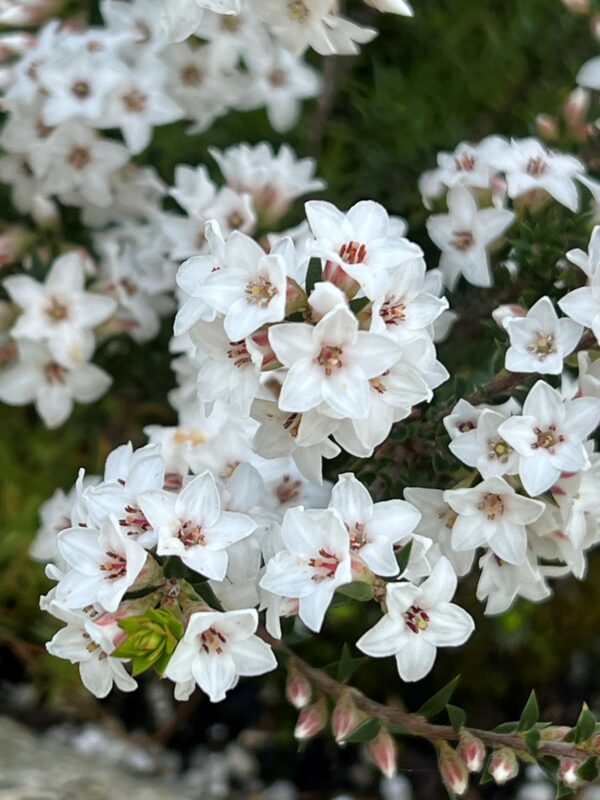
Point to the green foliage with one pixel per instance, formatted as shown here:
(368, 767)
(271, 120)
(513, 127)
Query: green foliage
(151, 639)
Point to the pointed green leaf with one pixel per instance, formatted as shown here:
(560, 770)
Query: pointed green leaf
(439, 700)
(563, 791)
(532, 740)
(506, 727)
(403, 556)
(530, 715)
(457, 717)
(588, 771)
(357, 590)
(364, 732)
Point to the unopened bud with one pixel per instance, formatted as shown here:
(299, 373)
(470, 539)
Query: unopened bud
(383, 752)
(503, 313)
(503, 765)
(297, 688)
(295, 297)
(547, 126)
(312, 719)
(259, 341)
(452, 769)
(472, 751)
(576, 106)
(554, 733)
(323, 298)
(339, 277)
(567, 771)
(345, 718)
(577, 6)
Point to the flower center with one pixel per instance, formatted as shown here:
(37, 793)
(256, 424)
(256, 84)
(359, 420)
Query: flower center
(116, 566)
(547, 439)
(212, 641)
(358, 536)
(378, 385)
(56, 310)
(288, 490)
(81, 90)
(135, 521)
(492, 505)
(191, 436)
(235, 220)
(230, 23)
(465, 163)
(543, 345)
(292, 424)
(298, 10)
(536, 167)
(135, 101)
(79, 157)
(330, 358)
(278, 78)
(325, 566)
(466, 426)
(190, 534)
(353, 252)
(238, 353)
(260, 292)
(417, 620)
(191, 75)
(499, 449)
(462, 240)
(393, 312)
(54, 373)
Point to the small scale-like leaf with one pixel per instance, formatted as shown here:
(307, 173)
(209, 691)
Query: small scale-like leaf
(364, 732)
(586, 725)
(457, 717)
(549, 766)
(532, 740)
(357, 590)
(531, 713)
(506, 727)
(439, 700)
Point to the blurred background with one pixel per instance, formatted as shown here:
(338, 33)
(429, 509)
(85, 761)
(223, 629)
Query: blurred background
(459, 70)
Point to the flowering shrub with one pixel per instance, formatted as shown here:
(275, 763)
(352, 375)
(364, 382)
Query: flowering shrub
(308, 380)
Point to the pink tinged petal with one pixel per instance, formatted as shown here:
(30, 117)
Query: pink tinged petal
(416, 659)
(302, 387)
(313, 607)
(581, 305)
(230, 527)
(159, 509)
(252, 657)
(199, 501)
(509, 542)
(347, 392)
(215, 674)
(537, 473)
(449, 625)
(293, 341)
(582, 416)
(373, 354)
(384, 638)
(369, 220)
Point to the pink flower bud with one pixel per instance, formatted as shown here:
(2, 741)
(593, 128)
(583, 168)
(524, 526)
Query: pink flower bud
(335, 274)
(576, 106)
(345, 718)
(547, 126)
(383, 752)
(503, 765)
(312, 719)
(472, 751)
(502, 313)
(297, 688)
(452, 769)
(577, 6)
(360, 571)
(554, 733)
(260, 340)
(295, 297)
(567, 771)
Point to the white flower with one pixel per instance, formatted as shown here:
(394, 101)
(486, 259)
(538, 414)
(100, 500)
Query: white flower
(468, 165)
(588, 262)
(493, 514)
(192, 526)
(315, 562)
(217, 647)
(500, 583)
(361, 242)
(419, 619)
(528, 165)
(250, 289)
(103, 565)
(59, 310)
(549, 436)
(540, 341)
(37, 377)
(373, 528)
(583, 305)
(484, 448)
(330, 363)
(464, 235)
(392, 7)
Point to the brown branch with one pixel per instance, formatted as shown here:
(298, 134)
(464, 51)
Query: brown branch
(413, 723)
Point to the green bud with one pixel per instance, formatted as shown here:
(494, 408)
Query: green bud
(151, 639)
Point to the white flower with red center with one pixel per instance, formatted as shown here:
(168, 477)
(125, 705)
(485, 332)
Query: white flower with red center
(250, 288)
(540, 341)
(493, 514)
(468, 165)
(484, 448)
(464, 236)
(217, 648)
(315, 561)
(103, 564)
(583, 305)
(192, 525)
(373, 528)
(330, 364)
(359, 247)
(59, 310)
(550, 436)
(419, 619)
(500, 583)
(529, 166)
(191, 278)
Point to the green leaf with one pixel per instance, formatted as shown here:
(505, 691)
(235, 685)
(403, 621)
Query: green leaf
(313, 274)
(532, 740)
(206, 593)
(364, 732)
(549, 766)
(357, 590)
(439, 700)
(345, 668)
(506, 727)
(588, 771)
(530, 715)
(403, 556)
(563, 791)
(585, 727)
(457, 717)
